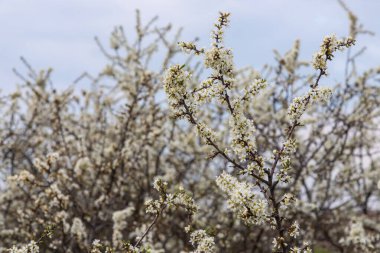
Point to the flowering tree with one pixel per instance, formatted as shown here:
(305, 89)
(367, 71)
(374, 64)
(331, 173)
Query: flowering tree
(290, 186)
(80, 165)
(280, 160)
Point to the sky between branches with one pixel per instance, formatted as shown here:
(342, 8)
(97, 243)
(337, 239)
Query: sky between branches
(59, 34)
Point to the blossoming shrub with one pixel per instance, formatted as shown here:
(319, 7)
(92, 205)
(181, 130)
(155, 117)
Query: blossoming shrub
(236, 160)
(83, 161)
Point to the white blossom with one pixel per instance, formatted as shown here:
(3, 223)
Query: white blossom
(78, 230)
(31, 247)
(203, 242)
(242, 200)
(300, 104)
(120, 223)
(175, 84)
(220, 60)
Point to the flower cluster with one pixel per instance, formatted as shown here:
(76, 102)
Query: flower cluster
(288, 150)
(31, 247)
(203, 242)
(223, 21)
(300, 104)
(242, 132)
(22, 178)
(78, 230)
(242, 200)
(180, 198)
(98, 247)
(254, 88)
(220, 60)
(356, 238)
(206, 133)
(189, 47)
(294, 230)
(175, 84)
(119, 224)
(329, 45)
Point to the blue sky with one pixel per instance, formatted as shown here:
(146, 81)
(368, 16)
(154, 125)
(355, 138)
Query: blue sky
(59, 33)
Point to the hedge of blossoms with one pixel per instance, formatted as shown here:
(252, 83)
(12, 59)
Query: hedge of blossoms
(281, 160)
